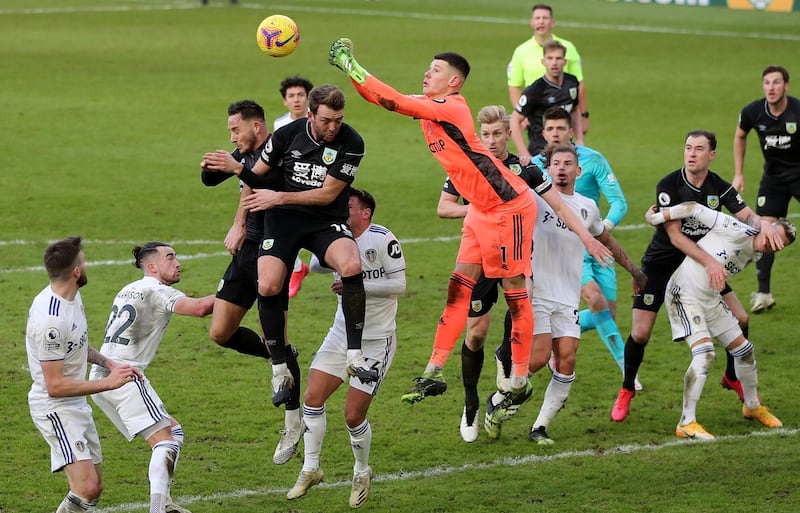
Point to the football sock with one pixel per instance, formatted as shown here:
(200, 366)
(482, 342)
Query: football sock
(453, 319)
(746, 369)
(634, 355)
(273, 324)
(353, 306)
(294, 393)
(361, 441)
(585, 318)
(730, 365)
(247, 341)
(471, 365)
(316, 425)
(764, 271)
(695, 379)
(162, 465)
(502, 356)
(554, 398)
(609, 334)
(521, 330)
(73, 503)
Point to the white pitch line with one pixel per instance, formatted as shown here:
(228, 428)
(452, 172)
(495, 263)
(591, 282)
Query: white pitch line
(448, 470)
(413, 15)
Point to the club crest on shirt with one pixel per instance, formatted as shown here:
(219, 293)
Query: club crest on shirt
(648, 299)
(573, 92)
(791, 127)
(515, 168)
(712, 201)
(329, 155)
(584, 214)
(267, 244)
(476, 306)
(761, 201)
(371, 255)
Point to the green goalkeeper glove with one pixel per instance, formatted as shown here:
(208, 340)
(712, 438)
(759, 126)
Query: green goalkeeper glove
(341, 56)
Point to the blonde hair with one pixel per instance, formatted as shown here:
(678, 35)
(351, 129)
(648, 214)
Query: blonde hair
(492, 114)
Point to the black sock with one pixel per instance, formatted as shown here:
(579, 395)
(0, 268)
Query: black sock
(764, 271)
(471, 365)
(634, 354)
(273, 323)
(294, 367)
(353, 306)
(503, 351)
(247, 341)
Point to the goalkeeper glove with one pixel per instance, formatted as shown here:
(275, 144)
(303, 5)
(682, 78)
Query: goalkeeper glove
(341, 56)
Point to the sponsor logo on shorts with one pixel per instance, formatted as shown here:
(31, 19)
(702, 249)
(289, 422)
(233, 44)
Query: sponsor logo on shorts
(221, 284)
(80, 445)
(761, 201)
(696, 320)
(648, 299)
(267, 244)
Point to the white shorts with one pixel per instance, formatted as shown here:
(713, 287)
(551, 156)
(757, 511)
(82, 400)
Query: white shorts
(71, 435)
(691, 320)
(331, 358)
(134, 408)
(556, 318)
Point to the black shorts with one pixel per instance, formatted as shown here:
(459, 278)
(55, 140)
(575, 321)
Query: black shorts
(775, 192)
(652, 297)
(287, 231)
(239, 284)
(484, 296)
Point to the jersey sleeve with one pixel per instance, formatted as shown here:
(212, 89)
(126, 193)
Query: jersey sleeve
(394, 263)
(574, 65)
(52, 338)
(165, 298)
(449, 188)
(610, 189)
(731, 198)
(535, 179)
(746, 118)
(595, 224)
(345, 166)
(379, 93)
(515, 71)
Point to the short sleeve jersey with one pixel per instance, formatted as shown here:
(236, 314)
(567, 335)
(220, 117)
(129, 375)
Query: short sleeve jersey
(139, 316)
(526, 62)
(729, 242)
(449, 131)
(557, 258)
(540, 96)
(779, 136)
(531, 173)
(675, 188)
(254, 222)
(381, 259)
(305, 163)
(56, 330)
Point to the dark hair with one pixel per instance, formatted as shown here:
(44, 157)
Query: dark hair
(141, 252)
(62, 256)
(556, 112)
(326, 94)
(364, 198)
(542, 6)
(248, 109)
(295, 81)
(776, 69)
(554, 44)
(455, 60)
(711, 136)
(563, 148)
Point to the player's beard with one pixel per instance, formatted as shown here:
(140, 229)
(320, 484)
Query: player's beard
(83, 279)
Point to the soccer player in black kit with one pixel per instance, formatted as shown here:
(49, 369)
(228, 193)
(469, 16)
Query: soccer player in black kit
(676, 240)
(776, 120)
(238, 288)
(318, 158)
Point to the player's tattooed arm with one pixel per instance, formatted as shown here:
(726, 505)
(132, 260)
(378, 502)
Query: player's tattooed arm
(96, 358)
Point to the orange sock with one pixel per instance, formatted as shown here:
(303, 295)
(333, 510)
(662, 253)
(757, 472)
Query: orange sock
(521, 329)
(453, 319)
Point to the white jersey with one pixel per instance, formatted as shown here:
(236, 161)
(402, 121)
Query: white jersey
(282, 121)
(729, 242)
(383, 268)
(56, 330)
(138, 319)
(557, 258)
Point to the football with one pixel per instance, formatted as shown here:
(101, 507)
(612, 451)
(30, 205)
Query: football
(277, 35)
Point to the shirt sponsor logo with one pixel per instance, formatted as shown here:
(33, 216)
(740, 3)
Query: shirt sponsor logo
(394, 249)
(329, 155)
(664, 199)
(349, 169)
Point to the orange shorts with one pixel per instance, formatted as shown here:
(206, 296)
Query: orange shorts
(500, 239)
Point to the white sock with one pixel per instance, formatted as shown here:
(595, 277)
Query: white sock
(554, 398)
(744, 362)
(498, 398)
(316, 425)
(361, 441)
(73, 503)
(178, 436)
(695, 379)
(292, 419)
(162, 466)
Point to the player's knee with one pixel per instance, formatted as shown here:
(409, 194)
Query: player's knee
(269, 288)
(475, 339)
(89, 489)
(219, 334)
(354, 418)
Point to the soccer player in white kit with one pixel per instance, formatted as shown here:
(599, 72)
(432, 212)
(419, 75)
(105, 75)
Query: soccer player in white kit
(139, 316)
(383, 268)
(57, 343)
(557, 263)
(697, 313)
